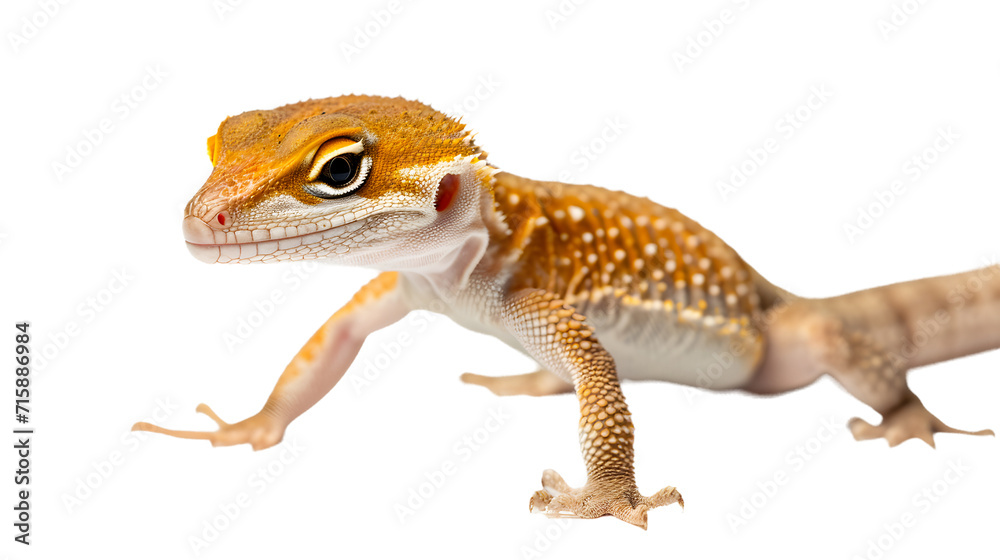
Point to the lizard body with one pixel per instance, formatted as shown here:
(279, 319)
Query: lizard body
(595, 285)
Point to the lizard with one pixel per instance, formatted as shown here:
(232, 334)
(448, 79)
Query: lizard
(595, 285)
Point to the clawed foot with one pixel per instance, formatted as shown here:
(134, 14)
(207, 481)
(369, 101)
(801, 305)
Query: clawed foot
(911, 420)
(260, 430)
(619, 498)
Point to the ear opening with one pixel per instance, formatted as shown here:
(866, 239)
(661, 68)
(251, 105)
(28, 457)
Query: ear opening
(447, 190)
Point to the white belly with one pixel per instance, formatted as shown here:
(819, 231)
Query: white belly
(652, 344)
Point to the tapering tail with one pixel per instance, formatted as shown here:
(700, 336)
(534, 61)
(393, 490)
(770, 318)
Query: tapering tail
(927, 321)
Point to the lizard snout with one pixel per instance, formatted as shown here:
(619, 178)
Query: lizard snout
(202, 239)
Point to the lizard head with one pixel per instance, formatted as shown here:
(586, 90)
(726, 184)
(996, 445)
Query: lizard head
(374, 181)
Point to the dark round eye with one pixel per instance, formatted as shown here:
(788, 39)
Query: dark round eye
(340, 176)
(340, 170)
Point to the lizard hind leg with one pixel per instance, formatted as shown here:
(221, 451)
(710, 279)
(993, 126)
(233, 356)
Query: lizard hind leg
(536, 384)
(877, 378)
(809, 338)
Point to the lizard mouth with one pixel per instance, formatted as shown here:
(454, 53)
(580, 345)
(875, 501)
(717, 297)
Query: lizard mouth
(214, 246)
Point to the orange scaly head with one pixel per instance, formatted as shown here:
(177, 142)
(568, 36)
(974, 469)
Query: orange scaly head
(381, 182)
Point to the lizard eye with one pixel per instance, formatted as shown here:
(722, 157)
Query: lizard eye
(340, 170)
(340, 175)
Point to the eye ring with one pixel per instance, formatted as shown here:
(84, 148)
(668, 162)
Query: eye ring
(342, 175)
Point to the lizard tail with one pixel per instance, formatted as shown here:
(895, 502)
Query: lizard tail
(927, 321)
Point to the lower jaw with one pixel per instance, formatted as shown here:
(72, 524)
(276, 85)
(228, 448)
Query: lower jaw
(248, 253)
(272, 250)
(205, 253)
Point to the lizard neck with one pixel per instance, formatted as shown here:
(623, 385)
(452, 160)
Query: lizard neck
(474, 224)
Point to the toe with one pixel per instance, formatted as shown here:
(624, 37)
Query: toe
(484, 381)
(862, 430)
(471, 378)
(539, 502)
(941, 427)
(665, 497)
(207, 411)
(638, 516)
(553, 483)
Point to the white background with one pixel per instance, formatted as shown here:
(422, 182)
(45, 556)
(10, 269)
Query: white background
(159, 342)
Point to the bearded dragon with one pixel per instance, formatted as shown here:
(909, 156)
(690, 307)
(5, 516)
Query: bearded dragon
(595, 285)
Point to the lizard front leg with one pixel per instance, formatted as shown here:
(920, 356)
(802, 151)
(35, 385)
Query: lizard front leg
(561, 340)
(317, 367)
